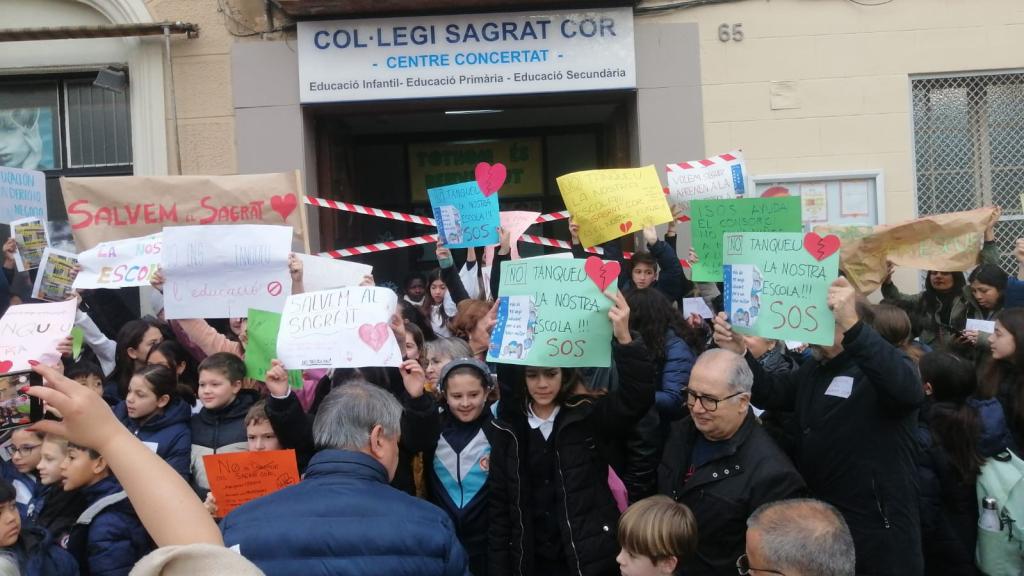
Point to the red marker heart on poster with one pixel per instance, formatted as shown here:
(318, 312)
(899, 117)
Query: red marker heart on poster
(374, 335)
(284, 205)
(6, 366)
(819, 247)
(490, 177)
(600, 272)
(625, 226)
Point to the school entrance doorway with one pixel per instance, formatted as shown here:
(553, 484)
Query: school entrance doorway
(386, 155)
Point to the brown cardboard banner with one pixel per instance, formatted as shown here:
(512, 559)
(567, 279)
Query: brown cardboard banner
(119, 207)
(946, 242)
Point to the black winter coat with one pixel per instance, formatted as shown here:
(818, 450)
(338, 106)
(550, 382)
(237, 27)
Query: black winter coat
(857, 415)
(584, 431)
(749, 471)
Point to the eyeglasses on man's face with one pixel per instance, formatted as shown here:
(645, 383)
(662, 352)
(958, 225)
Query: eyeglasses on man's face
(744, 568)
(709, 403)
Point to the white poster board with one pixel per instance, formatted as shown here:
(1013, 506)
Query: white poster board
(32, 332)
(222, 271)
(120, 263)
(339, 328)
(319, 273)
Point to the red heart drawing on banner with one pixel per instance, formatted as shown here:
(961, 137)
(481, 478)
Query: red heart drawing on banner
(375, 335)
(284, 205)
(625, 226)
(819, 247)
(6, 366)
(600, 272)
(490, 178)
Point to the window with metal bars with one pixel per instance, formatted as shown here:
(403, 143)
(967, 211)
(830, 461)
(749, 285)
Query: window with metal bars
(969, 148)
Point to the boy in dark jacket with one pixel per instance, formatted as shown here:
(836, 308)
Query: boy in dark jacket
(220, 426)
(107, 539)
(53, 508)
(31, 548)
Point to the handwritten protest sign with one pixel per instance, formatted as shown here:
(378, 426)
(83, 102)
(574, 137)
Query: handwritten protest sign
(720, 177)
(30, 236)
(32, 332)
(465, 216)
(55, 277)
(946, 242)
(120, 263)
(319, 273)
(261, 330)
(239, 477)
(551, 312)
(714, 218)
(22, 194)
(222, 271)
(608, 204)
(118, 207)
(776, 285)
(515, 222)
(339, 328)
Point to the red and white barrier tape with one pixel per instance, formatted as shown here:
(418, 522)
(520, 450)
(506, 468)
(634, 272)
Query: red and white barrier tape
(389, 214)
(380, 246)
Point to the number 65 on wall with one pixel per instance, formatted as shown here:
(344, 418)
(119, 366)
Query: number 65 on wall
(727, 32)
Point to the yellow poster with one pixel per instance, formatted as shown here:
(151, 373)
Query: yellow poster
(436, 164)
(608, 204)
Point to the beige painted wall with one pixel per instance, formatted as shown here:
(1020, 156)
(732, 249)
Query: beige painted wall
(852, 67)
(202, 80)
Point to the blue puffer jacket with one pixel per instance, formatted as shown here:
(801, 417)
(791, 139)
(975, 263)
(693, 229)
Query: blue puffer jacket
(673, 377)
(108, 538)
(26, 486)
(168, 434)
(344, 520)
(38, 555)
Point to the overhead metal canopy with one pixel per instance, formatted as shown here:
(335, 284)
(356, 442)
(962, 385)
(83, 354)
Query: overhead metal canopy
(108, 31)
(355, 8)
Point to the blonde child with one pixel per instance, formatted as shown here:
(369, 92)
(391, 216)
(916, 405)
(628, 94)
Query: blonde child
(657, 536)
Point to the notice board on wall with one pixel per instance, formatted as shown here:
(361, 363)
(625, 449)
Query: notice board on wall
(836, 198)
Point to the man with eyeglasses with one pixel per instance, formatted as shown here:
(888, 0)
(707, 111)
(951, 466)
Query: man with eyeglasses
(801, 537)
(856, 406)
(721, 463)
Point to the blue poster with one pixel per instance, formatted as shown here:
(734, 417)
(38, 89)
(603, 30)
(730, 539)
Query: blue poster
(465, 216)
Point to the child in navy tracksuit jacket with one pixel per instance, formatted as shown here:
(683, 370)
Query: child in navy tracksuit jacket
(156, 414)
(457, 470)
(108, 538)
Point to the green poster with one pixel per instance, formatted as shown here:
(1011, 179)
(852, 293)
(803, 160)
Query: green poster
(77, 336)
(262, 347)
(776, 285)
(551, 312)
(713, 218)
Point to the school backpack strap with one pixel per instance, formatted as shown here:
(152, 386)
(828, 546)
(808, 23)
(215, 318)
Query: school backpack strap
(1002, 478)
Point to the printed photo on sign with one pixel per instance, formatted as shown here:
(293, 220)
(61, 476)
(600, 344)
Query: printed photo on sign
(609, 204)
(712, 219)
(30, 236)
(466, 215)
(743, 299)
(719, 177)
(223, 271)
(552, 312)
(120, 263)
(776, 285)
(27, 135)
(22, 194)
(339, 328)
(32, 332)
(55, 276)
(515, 332)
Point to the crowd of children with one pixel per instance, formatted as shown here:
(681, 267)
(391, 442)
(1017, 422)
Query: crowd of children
(542, 470)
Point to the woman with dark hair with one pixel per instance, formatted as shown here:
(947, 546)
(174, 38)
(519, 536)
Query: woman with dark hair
(987, 284)
(134, 341)
(551, 509)
(444, 292)
(1004, 377)
(672, 344)
(411, 314)
(172, 355)
(954, 433)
